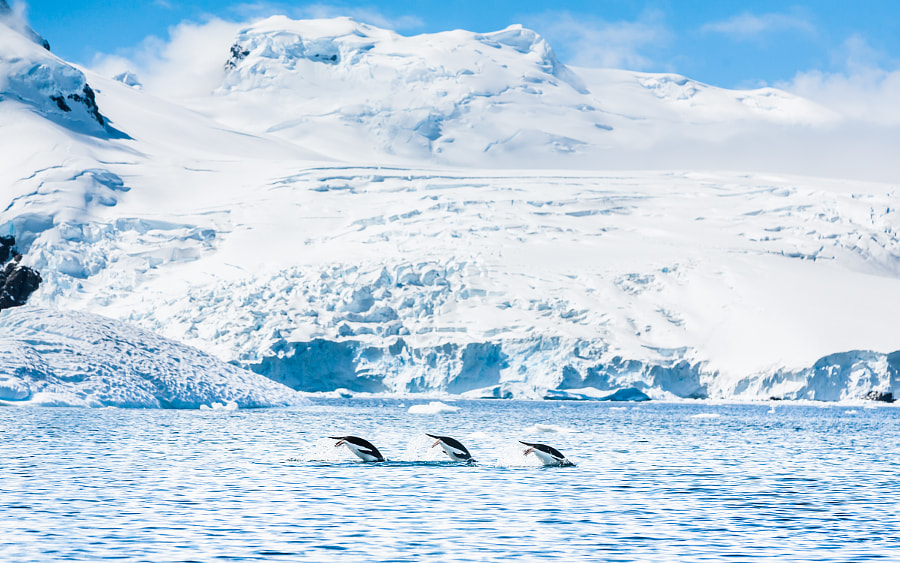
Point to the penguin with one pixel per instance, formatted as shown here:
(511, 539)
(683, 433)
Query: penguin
(547, 454)
(452, 448)
(363, 449)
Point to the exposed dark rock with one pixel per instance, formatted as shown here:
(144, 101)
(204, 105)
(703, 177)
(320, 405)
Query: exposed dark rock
(17, 283)
(238, 53)
(61, 103)
(6, 248)
(881, 396)
(88, 100)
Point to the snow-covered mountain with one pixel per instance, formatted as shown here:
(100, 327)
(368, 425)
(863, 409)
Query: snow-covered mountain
(355, 209)
(462, 98)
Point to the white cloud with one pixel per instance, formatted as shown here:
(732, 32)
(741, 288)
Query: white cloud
(314, 11)
(868, 95)
(865, 87)
(749, 26)
(592, 42)
(364, 15)
(190, 63)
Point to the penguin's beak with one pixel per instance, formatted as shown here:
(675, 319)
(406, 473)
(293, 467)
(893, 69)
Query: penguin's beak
(528, 451)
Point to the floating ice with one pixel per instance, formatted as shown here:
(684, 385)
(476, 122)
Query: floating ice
(548, 429)
(229, 406)
(434, 407)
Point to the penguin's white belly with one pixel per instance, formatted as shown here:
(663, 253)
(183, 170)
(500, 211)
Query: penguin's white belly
(546, 458)
(454, 454)
(361, 453)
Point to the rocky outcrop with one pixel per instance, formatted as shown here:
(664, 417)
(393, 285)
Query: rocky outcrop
(86, 98)
(17, 282)
(880, 396)
(238, 53)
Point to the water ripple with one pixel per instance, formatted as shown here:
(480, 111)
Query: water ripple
(653, 482)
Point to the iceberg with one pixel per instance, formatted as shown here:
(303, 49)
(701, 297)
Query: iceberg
(434, 407)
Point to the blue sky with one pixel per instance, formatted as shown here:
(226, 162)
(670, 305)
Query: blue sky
(726, 43)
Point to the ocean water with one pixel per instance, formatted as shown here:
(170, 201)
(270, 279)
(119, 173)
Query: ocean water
(653, 482)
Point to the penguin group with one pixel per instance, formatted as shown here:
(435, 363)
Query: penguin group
(454, 449)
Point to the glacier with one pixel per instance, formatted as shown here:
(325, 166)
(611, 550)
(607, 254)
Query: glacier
(455, 213)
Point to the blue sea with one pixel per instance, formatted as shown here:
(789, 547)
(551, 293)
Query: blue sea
(653, 482)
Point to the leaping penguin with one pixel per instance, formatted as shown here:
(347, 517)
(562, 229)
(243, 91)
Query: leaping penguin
(363, 449)
(547, 454)
(452, 448)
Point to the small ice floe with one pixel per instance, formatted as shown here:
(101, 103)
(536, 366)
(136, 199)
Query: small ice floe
(434, 407)
(548, 428)
(706, 415)
(229, 406)
(852, 411)
(339, 393)
(591, 394)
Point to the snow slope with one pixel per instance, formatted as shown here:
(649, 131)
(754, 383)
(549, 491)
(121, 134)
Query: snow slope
(320, 219)
(52, 358)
